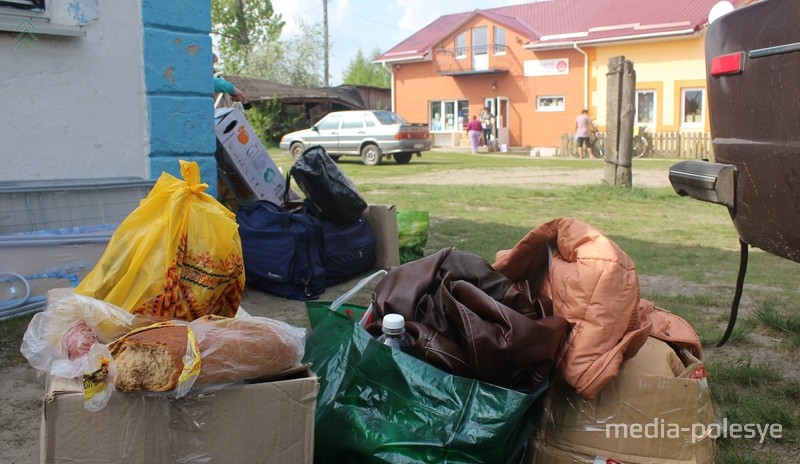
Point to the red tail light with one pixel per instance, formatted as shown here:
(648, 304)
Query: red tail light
(727, 64)
(411, 135)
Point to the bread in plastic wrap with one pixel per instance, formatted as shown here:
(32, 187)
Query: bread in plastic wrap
(231, 351)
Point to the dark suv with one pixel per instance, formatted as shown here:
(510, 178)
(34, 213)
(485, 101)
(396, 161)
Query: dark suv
(753, 75)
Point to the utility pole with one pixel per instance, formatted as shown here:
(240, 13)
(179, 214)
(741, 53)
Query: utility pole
(620, 96)
(325, 20)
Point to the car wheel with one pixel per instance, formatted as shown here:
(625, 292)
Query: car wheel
(335, 157)
(297, 149)
(402, 158)
(371, 155)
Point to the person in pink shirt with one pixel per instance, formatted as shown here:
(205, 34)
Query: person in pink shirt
(583, 128)
(474, 133)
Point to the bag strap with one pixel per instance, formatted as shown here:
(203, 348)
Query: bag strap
(356, 288)
(366, 318)
(288, 188)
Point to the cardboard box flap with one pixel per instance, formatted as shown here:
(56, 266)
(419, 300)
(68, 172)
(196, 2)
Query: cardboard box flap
(267, 422)
(639, 417)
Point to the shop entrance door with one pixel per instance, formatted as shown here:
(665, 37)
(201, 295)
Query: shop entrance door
(499, 107)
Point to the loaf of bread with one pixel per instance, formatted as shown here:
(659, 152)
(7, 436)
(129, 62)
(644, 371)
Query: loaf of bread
(231, 350)
(151, 360)
(237, 349)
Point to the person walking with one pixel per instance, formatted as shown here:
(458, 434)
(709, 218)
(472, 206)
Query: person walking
(583, 128)
(474, 133)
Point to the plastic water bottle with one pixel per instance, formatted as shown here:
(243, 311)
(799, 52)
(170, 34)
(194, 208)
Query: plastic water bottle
(394, 332)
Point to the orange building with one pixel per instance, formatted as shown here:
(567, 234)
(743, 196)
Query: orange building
(537, 65)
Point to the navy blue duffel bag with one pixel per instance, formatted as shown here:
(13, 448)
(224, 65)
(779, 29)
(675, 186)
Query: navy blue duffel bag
(282, 251)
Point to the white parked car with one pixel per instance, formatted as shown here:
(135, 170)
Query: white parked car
(373, 135)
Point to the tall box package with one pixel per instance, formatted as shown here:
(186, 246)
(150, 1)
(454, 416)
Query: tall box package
(268, 422)
(383, 221)
(243, 163)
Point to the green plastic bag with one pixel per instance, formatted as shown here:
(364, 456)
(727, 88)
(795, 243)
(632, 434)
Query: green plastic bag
(412, 234)
(379, 405)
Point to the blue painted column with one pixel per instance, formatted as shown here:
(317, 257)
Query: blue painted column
(179, 86)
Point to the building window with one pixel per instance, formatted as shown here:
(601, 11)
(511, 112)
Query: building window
(448, 115)
(461, 46)
(692, 107)
(499, 41)
(35, 5)
(13, 12)
(550, 103)
(646, 108)
(480, 41)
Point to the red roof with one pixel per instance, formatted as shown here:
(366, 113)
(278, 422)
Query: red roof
(562, 23)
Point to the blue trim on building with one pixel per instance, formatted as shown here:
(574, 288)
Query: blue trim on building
(187, 15)
(179, 87)
(174, 63)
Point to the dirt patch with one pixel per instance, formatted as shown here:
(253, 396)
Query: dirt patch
(19, 414)
(533, 178)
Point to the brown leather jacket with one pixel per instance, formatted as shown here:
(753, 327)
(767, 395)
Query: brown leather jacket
(467, 319)
(594, 285)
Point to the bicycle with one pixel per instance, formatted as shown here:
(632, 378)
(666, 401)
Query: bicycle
(597, 142)
(640, 142)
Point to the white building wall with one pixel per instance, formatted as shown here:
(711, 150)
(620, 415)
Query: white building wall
(75, 107)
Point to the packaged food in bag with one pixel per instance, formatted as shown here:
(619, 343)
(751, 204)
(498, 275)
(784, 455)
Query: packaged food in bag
(178, 255)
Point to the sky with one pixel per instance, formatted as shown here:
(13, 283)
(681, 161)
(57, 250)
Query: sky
(370, 24)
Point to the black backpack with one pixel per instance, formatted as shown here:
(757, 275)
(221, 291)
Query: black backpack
(328, 187)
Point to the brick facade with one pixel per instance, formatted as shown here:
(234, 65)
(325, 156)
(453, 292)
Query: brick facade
(418, 83)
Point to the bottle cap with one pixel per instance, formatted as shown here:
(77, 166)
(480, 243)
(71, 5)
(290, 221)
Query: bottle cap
(393, 321)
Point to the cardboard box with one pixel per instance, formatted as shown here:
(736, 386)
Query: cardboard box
(660, 411)
(383, 221)
(269, 422)
(244, 165)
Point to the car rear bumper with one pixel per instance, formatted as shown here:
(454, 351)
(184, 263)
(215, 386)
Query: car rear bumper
(401, 146)
(712, 182)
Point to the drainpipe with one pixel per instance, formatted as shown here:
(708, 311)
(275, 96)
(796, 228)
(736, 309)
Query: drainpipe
(391, 72)
(585, 75)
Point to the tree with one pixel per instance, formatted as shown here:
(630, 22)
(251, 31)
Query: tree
(295, 61)
(243, 26)
(362, 71)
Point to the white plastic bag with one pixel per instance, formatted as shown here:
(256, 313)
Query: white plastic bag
(44, 344)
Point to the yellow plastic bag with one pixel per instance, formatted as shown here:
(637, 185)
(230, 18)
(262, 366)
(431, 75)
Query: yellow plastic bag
(178, 255)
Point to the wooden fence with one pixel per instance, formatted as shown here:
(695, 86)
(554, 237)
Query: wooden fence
(694, 145)
(672, 145)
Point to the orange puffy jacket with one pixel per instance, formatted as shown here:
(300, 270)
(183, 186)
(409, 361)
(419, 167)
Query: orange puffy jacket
(593, 284)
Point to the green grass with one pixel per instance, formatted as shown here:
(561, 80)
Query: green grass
(11, 332)
(690, 244)
(784, 323)
(746, 393)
